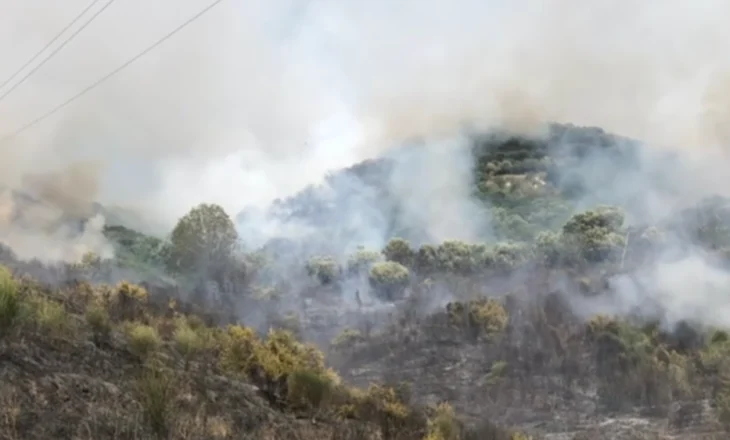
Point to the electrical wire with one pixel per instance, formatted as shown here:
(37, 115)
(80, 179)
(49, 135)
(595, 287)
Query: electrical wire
(110, 74)
(68, 26)
(56, 50)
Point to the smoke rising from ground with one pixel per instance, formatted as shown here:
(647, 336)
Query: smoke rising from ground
(258, 99)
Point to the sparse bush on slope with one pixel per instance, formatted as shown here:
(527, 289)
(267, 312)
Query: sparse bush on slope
(292, 375)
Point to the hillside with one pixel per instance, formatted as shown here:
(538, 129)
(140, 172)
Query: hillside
(519, 185)
(108, 362)
(572, 307)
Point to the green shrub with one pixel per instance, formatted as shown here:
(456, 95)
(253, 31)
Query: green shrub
(188, 342)
(156, 391)
(127, 302)
(400, 251)
(97, 317)
(389, 280)
(51, 317)
(444, 425)
(9, 301)
(143, 340)
(309, 390)
(323, 269)
(237, 350)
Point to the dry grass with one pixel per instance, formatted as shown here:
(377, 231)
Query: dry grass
(180, 403)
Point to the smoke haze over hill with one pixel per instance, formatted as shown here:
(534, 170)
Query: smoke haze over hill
(256, 100)
(264, 97)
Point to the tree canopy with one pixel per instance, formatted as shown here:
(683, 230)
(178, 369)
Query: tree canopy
(204, 237)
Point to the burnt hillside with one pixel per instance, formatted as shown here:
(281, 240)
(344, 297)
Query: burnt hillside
(578, 310)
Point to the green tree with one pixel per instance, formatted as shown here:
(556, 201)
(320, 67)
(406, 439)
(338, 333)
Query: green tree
(389, 279)
(460, 257)
(596, 235)
(361, 261)
(323, 269)
(400, 251)
(204, 238)
(548, 248)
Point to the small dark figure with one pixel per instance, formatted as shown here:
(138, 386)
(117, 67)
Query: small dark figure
(357, 298)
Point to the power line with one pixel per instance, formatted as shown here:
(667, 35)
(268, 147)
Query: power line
(68, 26)
(110, 74)
(56, 50)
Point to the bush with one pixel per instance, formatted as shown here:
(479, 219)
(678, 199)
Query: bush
(426, 260)
(634, 367)
(309, 390)
(282, 354)
(156, 391)
(188, 342)
(143, 340)
(127, 302)
(595, 236)
(282, 367)
(237, 350)
(399, 251)
(484, 317)
(323, 269)
(51, 317)
(389, 280)
(444, 425)
(548, 248)
(382, 405)
(361, 262)
(97, 317)
(460, 257)
(9, 301)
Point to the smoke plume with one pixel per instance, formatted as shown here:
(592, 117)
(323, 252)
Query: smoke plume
(258, 99)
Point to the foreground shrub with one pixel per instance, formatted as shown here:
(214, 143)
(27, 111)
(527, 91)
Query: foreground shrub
(282, 354)
(127, 302)
(97, 318)
(286, 370)
(9, 301)
(156, 391)
(51, 317)
(308, 389)
(143, 340)
(237, 346)
(443, 425)
(382, 405)
(188, 342)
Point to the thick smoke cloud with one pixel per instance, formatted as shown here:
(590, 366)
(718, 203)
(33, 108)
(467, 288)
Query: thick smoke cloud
(259, 98)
